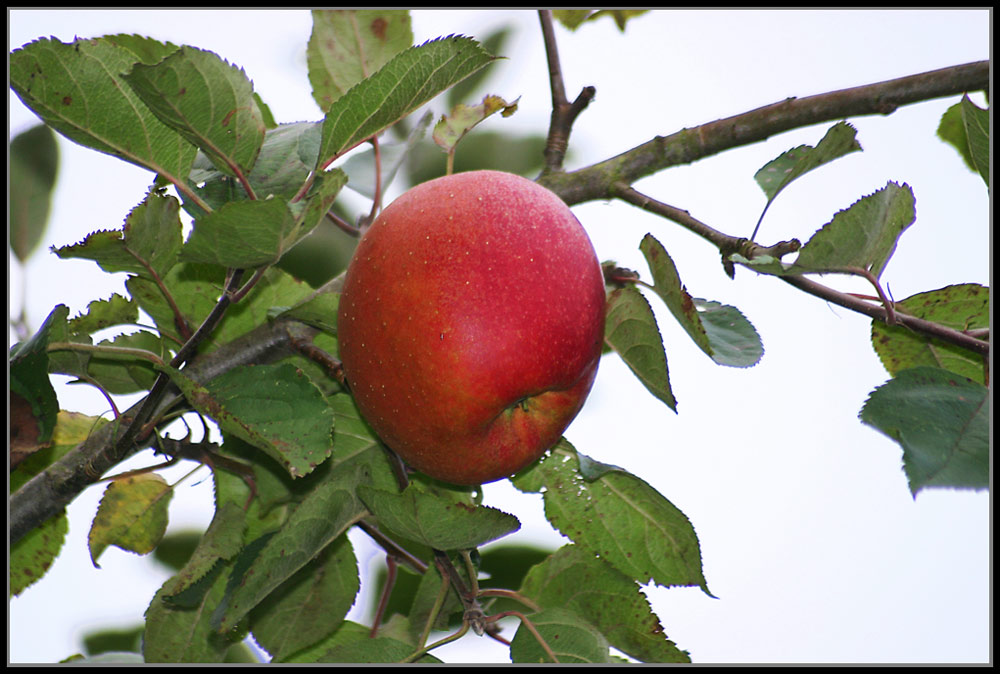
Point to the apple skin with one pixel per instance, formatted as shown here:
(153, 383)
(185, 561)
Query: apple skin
(470, 324)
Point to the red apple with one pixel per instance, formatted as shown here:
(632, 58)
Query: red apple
(470, 324)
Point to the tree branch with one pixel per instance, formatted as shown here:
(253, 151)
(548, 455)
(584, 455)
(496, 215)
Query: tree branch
(689, 145)
(49, 492)
(726, 243)
(564, 113)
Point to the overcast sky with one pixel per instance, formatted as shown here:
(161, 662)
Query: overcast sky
(811, 541)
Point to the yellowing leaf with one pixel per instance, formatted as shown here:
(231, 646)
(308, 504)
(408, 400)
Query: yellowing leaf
(132, 515)
(452, 128)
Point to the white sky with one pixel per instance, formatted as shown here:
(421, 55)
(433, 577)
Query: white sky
(810, 538)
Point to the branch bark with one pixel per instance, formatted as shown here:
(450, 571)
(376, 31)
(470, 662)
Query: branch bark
(689, 145)
(49, 492)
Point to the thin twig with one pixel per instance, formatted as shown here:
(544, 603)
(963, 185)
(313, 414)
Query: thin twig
(725, 242)
(564, 113)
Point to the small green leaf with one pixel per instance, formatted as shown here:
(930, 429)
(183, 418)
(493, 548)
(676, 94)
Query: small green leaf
(132, 515)
(734, 340)
(632, 332)
(619, 517)
(951, 129)
(34, 164)
(286, 158)
(251, 234)
(348, 45)
(221, 542)
(778, 173)
(721, 331)
(195, 289)
(961, 307)
(185, 634)
(942, 422)
(324, 514)
(241, 234)
(573, 18)
(437, 520)
(569, 637)
(573, 578)
(208, 101)
(451, 128)
(273, 407)
(122, 374)
(863, 236)
(310, 605)
(977, 130)
(79, 90)
(147, 246)
(402, 85)
(319, 311)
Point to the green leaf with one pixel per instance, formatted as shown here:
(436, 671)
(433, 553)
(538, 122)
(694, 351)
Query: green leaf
(573, 18)
(573, 578)
(310, 605)
(322, 516)
(348, 45)
(32, 556)
(451, 128)
(942, 422)
(273, 407)
(221, 542)
(961, 307)
(132, 515)
(951, 129)
(241, 234)
(778, 173)
(863, 236)
(147, 246)
(409, 80)
(286, 158)
(436, 520)
(125, 374)
(360, 166)
(569, 637)
(721, 331)
(977, 130)
(185, 634)
(631, 330)
(34, 164)
(319, 311)
(250, 234)
(618, 516)
(79, 90)
(208, 101)
(195, 289)
(365, 649)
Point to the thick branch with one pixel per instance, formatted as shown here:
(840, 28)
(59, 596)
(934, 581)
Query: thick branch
(49, 492)
(689, 145)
